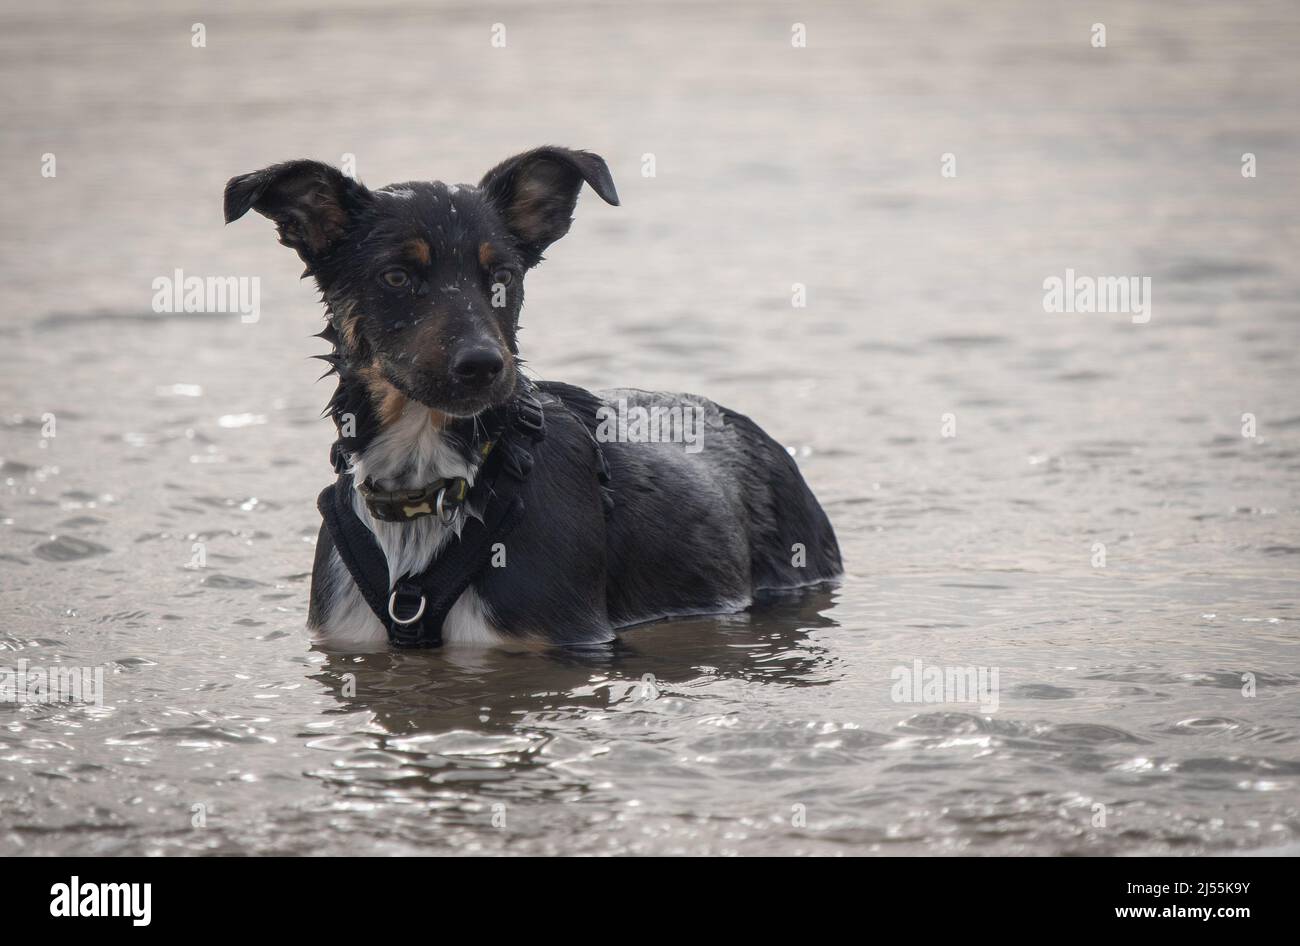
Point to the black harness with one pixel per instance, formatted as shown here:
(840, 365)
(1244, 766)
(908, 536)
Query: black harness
(413, 610)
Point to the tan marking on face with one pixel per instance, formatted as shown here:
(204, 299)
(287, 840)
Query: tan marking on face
(418, 251)
(486, 255)
(388, 401)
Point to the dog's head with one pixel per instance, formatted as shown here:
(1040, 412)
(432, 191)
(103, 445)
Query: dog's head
(424, 281)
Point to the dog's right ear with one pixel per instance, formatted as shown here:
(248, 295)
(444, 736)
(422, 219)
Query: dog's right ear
(310, 202)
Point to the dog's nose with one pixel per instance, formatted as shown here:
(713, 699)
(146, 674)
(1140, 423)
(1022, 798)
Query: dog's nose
(477, 367)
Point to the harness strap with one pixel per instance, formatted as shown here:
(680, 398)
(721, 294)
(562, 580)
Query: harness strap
(430, 596)
(414, 609)
(355, 543)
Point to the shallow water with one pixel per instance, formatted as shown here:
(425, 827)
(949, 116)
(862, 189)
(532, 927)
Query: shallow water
(774, 731)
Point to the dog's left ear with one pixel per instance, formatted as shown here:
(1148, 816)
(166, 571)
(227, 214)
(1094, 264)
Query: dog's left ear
(310, 202)
(535, 193)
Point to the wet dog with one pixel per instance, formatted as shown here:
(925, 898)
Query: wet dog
(532, 511)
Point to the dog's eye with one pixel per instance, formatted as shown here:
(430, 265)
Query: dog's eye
(502, 276)
(395, 277)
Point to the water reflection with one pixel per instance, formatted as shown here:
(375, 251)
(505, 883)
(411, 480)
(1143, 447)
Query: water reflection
(450, 688)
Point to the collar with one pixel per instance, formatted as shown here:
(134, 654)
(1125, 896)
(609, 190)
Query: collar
(442, 498)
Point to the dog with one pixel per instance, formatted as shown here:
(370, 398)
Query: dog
(474, 505)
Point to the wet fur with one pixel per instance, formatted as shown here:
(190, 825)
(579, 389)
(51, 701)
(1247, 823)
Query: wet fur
(688, 533)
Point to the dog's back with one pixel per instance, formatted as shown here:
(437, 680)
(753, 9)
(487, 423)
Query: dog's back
(701, 522)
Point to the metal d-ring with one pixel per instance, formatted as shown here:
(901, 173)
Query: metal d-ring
(392, 600)
(440, 507)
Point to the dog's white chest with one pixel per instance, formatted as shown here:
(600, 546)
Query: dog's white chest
(350, 625)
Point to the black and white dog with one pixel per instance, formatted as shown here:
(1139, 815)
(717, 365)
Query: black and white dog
(474, 504)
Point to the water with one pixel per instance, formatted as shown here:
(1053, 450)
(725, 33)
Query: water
(767, 732)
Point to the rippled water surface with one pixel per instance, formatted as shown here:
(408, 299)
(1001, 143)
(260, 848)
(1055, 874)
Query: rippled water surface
(1124, 721)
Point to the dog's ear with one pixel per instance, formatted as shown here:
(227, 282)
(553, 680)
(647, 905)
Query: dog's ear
(311, 203)
(535, 193)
